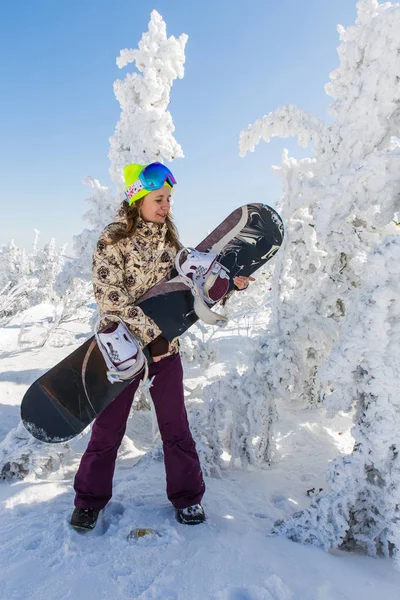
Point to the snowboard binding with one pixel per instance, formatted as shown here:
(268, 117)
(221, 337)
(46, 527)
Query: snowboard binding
(121, 350)
(207, 279)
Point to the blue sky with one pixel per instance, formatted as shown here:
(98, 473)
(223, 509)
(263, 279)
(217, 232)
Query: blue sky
(58, 109)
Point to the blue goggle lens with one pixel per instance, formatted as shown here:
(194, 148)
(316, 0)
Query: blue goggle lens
(155, 175)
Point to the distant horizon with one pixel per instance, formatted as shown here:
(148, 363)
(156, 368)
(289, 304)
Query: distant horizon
(59, 109)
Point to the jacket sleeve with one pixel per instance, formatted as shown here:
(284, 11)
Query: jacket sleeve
(112, 295)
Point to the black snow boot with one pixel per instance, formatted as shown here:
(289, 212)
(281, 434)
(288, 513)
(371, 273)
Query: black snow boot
(192, 515)
(84, 518)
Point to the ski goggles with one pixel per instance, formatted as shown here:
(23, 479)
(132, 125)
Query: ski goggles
(153, 177)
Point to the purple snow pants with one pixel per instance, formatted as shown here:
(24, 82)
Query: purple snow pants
(185, 485)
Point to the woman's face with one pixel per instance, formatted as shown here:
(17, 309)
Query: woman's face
(156, 205)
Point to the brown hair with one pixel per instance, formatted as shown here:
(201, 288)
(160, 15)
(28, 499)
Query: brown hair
(131, 214)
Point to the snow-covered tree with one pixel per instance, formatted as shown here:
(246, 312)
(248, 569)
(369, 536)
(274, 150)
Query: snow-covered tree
(27, 278)
(102, 209)
(13, 264)
(336, 283)
(143, 134)
(336, 205)
(362, 509)
(22, 455)
(45, 264)
(13, 275)
(229, 413)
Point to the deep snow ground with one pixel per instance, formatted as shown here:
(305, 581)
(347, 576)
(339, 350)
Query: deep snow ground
(231, 557)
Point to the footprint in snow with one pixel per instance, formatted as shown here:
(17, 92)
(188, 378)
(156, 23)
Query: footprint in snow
(33, 542)
(238, 593)
(109, 518)
(273, 589)
(260, 515)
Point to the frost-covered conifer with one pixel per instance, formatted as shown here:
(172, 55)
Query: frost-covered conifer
(232, 415)
(336, 205)
(13, 264)
(102, 209)
(44, 265)
(362, 508)
(143, 134)
(27, 278)
(334, 328)
(14, 270)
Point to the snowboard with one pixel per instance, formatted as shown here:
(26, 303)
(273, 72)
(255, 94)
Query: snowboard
(65, 400)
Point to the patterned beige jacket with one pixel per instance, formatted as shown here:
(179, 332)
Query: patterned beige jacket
(124, 271)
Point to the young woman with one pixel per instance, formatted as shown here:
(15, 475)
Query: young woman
(131, 256)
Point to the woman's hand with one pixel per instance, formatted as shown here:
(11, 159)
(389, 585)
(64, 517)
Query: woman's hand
(157, 358)
(159, 348)
(242, 282)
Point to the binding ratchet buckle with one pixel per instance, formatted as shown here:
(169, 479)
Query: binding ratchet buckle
(122, 351)
(207, 279)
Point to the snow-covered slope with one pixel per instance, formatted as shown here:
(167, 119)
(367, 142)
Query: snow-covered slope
(231, 557)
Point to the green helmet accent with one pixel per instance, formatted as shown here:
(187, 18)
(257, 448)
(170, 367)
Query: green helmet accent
(131, 175)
